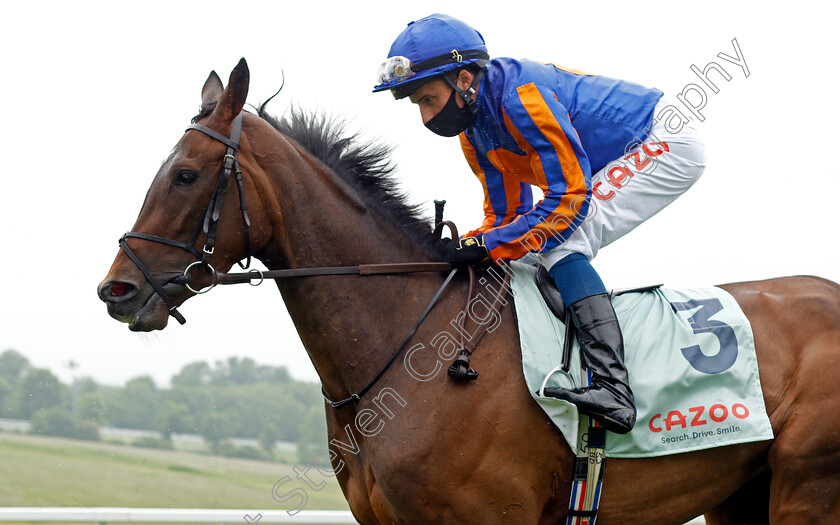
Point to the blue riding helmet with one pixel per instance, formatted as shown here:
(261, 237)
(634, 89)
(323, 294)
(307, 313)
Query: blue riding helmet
(428, 48)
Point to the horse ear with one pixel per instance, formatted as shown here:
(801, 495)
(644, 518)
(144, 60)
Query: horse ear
(233, 99)
(212, 89)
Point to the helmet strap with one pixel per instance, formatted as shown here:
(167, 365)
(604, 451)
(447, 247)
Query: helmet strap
(467, 95)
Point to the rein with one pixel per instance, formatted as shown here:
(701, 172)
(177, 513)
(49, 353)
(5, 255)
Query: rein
(209, 223)
(362, 269)
(355, 397)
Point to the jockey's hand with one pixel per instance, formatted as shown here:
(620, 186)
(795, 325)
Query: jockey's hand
(469, 250)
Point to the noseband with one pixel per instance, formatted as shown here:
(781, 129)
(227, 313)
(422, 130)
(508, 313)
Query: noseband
(208, 224)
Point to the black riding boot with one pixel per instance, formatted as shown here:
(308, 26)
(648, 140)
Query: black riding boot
(609, 400)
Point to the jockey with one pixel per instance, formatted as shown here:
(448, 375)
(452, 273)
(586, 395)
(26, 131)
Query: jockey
(573, 135)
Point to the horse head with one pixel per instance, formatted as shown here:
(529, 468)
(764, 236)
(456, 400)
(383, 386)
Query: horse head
(300, 193)
(185, 221)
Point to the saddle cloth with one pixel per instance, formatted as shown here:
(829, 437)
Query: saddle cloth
(690, 356)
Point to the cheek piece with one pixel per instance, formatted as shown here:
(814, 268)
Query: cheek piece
(452, 120)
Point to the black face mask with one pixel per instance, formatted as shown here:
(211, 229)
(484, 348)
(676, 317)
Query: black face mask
(451, 120)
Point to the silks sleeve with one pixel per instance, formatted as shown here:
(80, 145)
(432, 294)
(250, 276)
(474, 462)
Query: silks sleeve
(541, 127)
(504, 197)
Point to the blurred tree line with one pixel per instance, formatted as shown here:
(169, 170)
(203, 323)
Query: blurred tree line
(232, 398)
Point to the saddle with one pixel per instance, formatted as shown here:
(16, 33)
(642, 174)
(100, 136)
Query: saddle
(686, 399)
(679, 349)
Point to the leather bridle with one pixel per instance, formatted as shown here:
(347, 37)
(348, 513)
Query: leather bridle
(209, 223)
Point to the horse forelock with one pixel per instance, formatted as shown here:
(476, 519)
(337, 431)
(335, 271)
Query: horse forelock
(204, 111)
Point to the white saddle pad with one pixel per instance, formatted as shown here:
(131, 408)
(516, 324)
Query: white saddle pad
(691, 359)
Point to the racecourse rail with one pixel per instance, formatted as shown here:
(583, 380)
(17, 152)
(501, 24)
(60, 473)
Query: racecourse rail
(104, 515)
(148, 515)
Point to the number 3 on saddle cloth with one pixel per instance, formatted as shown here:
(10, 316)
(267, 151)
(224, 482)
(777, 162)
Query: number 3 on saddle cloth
(690, 356)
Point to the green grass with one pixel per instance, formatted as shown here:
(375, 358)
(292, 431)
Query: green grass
(57, 472)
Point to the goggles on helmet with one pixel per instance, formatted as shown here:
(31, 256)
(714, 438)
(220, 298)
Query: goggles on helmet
(395, 69)
(398, 69)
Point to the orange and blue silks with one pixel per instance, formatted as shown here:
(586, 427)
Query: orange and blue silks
(541, 125)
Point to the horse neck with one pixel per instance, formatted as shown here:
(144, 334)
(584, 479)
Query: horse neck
(349, 325)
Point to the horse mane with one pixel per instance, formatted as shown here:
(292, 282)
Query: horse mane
(365, 165)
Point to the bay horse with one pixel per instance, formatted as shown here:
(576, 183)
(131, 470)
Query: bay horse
(432, 450)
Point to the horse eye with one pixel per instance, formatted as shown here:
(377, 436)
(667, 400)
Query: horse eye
(185, 178)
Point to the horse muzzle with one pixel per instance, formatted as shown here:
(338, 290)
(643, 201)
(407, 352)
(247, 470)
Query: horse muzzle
(137, 304)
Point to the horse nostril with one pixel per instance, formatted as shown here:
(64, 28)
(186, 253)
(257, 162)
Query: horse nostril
(116, 291)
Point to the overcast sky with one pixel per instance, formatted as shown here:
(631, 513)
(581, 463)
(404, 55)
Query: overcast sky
(95, 95)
